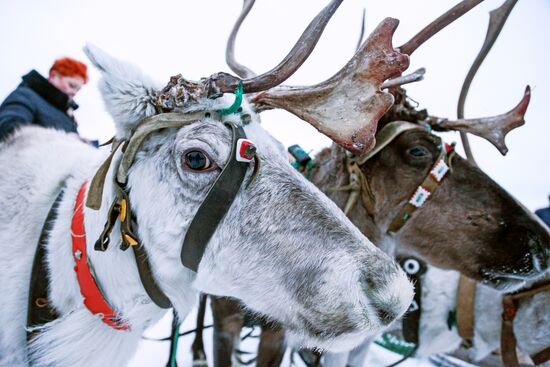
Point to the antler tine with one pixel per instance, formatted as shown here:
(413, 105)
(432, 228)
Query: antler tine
(415, 76)
(444, 20)
(496, 22)
(239, 69)
(226, 83)
(362, 33)
(492, 129)
(347, 106)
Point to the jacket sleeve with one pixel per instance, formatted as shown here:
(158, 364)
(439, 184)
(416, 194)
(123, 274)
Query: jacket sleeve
(16, 110)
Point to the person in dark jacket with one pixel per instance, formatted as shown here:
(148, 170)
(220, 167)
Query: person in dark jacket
(44, 102)
(544, 214)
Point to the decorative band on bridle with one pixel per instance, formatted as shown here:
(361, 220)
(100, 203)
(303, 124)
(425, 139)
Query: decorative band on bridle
(432, 181)
(358, 183)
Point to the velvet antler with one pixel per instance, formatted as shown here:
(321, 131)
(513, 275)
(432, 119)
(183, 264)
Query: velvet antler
(347, 106)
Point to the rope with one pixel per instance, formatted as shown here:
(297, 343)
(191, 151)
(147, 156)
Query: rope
(410, 354)
(175, 346)
(236, 106)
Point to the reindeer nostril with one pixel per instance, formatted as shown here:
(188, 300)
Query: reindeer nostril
(385, 316)
(539, 253)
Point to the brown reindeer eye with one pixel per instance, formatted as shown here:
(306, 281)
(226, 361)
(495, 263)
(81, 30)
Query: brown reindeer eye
(196, 160)
(418, 151)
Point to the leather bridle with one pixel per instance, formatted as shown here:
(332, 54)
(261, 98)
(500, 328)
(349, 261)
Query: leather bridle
(466, 291)
(217, 202)
(359, 183)
(211, 211)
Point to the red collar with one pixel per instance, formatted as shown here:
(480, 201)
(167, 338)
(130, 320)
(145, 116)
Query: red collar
(93, 298)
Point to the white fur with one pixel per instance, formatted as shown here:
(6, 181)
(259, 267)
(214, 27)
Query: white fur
(281, 236)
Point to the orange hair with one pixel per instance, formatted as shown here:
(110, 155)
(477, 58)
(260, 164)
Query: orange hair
(70, 67)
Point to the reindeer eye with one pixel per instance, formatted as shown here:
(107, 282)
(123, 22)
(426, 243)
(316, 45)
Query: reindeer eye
(418, 151)
(196, 160)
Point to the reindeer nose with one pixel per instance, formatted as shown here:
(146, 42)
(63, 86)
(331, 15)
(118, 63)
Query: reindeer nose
(389, 294)
(527, 249)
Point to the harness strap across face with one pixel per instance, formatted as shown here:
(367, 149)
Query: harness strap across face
(359, 186)
(217, 202)
(423, 192)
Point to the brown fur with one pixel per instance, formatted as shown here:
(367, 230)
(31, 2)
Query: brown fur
(469, 224)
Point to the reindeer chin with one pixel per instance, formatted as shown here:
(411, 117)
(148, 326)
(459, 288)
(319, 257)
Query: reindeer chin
(335, 344)
(504, 283)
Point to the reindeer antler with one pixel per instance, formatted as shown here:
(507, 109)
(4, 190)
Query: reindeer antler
(179, 91)
(234, 65)
(441, 22)
(492, 129)
(227, 83)
(347, 106)
(497, 20)
(415, 76)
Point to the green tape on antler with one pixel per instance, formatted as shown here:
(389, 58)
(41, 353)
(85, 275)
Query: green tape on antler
(234, 108)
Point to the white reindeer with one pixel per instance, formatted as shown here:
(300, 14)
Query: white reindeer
(281, 236)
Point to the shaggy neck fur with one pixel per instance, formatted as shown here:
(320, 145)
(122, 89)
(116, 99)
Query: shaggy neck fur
(115, 272)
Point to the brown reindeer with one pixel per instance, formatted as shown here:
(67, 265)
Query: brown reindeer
(469, 223)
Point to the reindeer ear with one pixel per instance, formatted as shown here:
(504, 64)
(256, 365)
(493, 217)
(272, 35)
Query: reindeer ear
(128, 93)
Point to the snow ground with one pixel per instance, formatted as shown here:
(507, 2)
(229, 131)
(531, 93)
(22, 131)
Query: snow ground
(155, 353)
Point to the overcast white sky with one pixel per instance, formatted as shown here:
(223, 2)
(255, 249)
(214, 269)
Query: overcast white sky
(169, 37)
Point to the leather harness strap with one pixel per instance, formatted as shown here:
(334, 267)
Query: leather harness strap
(465, 319)
(465, 302)
(541, 357)
(121, 210)
(217, 202)
(39, 310)
(152, 288)
(510, 304)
